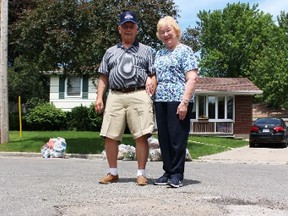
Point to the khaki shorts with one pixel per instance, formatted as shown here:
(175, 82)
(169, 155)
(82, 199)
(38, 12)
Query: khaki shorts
(134, 109)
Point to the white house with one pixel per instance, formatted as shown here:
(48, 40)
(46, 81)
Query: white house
(67, 92)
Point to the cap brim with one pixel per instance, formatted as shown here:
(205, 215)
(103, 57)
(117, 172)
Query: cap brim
(128, 21)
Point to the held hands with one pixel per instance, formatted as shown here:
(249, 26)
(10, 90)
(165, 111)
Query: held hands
(150, 85)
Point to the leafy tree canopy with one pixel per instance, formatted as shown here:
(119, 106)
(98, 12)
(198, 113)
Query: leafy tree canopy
(48, 35)
(242, 41)
(191, 38)
(269, 71)
(231, 38)
(73, 35)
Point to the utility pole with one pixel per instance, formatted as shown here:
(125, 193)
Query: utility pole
(4, 114)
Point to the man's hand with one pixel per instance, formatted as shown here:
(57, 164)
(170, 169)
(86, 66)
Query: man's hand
(150, 85)
(99, 105)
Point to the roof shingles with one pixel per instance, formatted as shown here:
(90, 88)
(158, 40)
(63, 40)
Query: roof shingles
(236, 85)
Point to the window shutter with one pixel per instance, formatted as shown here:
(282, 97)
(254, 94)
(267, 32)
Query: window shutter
(61, 87)
(85, 87)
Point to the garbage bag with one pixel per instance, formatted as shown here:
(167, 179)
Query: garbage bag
(54, 148)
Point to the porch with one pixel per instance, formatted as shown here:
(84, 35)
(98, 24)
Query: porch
(210, 127)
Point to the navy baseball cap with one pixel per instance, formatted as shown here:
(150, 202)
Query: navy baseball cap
(128, 16)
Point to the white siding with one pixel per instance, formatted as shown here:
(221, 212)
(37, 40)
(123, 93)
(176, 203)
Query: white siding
(68, 103)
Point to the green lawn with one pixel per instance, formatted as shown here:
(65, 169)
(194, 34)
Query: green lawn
(91, 143)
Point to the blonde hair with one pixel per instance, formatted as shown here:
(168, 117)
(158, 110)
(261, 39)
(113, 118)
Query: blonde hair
(168, 21)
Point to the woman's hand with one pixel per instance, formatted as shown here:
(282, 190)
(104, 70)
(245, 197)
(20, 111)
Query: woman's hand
(150, 85)
(182, 110)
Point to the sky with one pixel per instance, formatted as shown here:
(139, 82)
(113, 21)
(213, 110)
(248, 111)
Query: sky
(189, 8)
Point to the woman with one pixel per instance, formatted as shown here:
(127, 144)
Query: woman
(176, 72)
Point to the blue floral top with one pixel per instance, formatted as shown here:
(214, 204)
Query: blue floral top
(170, 67)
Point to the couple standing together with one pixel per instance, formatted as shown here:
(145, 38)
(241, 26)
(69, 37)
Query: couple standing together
(132, 73)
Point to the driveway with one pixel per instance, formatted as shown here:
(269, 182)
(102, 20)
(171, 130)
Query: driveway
(245, 154)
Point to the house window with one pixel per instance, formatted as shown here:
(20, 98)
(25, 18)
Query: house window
(201, 106)
(221, 108)
(230, 107)
(213, 107)
(193, 113)
(73, 86)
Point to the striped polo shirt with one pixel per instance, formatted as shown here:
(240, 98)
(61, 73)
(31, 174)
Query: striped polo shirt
(127, 68)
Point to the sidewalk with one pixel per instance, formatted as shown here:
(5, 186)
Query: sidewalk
(251, 155)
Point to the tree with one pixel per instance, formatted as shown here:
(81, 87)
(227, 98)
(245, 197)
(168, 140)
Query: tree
(270, 69)
(190, 37)
(73, 35)
(240, 41)
(15, 11)
(230, 39)
(24, 81)
(46, 35)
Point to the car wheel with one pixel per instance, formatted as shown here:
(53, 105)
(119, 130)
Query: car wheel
(251, 145)
(284, 145)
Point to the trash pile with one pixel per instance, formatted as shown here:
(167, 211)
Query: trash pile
(127, 152)
(54, 148)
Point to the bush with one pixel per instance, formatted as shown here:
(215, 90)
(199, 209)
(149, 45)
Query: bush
(84, 119)
(46, 117)
(34, 102)
(95, 118)
(78, 119)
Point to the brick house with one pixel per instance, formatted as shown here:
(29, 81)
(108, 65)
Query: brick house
(223, 106)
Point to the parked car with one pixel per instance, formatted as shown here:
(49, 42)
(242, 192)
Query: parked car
(268, 130)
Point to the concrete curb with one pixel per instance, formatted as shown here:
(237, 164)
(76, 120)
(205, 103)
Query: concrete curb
(32, 154)
(238, 155)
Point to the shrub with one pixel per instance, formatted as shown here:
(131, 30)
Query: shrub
(33, 102)
(46, 117)
(78, 119)
(84, 119)
(95, 118)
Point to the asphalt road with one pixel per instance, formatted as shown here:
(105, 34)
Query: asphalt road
(214, 185)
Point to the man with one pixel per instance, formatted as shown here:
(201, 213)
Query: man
(126, 69)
